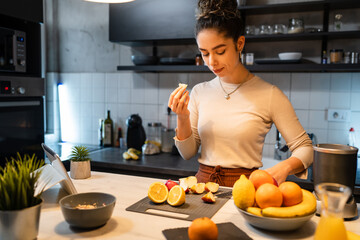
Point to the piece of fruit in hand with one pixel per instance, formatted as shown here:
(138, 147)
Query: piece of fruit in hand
(198, 188)
(169, 184)
(211, 187)
(187, 183)
(208, 198)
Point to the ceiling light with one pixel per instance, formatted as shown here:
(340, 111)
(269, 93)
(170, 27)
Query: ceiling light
(110, 1)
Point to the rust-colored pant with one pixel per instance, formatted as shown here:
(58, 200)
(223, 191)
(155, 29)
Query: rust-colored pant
(223, 176)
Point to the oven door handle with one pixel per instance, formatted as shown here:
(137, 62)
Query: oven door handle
(20, 104)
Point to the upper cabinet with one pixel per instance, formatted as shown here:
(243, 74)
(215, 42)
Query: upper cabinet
(155, 21)
(29, 10)
(169, 21)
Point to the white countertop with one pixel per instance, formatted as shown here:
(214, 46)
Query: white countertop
(131, 225)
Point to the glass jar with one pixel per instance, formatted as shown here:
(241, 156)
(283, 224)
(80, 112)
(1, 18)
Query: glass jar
(333, 197)
(154, 132)
(337, 22)
(279, 29)
(265, 29)
(296, 25)
(336, 55)
(249, 58)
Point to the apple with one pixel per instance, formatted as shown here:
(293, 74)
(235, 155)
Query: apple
(187, 182)
(208, 198)
(211, 187)
(169, 184)
(198, 188)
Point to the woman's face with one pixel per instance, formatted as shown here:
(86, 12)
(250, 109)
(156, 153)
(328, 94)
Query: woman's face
(219, 53)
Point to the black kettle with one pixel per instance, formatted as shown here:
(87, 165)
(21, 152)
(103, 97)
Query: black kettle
(136, 136)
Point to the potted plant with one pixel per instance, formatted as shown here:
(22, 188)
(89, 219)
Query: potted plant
(19, 207)
(80, 163)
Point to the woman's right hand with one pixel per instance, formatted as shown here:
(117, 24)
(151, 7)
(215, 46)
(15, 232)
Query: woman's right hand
(178, 102)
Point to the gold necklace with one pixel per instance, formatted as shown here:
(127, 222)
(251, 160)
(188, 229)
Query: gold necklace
(227, 95)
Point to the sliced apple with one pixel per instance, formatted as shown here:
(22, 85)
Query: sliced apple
(187, 183)
(211, 187)
(198, 188)
(208, 198)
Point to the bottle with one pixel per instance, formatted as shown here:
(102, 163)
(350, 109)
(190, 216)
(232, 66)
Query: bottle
(108, 131)
(352, 138)
(101, 123)
(324, 57)
(119, 140)
(333, 197)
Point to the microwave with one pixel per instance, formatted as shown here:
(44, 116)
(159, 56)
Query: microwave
(12, 50)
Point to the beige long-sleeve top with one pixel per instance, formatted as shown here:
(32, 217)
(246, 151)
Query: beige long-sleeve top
(232, 132)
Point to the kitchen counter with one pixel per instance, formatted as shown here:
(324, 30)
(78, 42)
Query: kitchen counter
(131, 225)
(163, 165)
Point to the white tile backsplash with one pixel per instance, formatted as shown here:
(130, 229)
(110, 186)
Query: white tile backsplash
(340, 100)
(340, 82)
(147, 94)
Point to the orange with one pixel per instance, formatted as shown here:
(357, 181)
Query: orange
(158, 192)
(203, 229)
(259, 177)
(268, 195)
(176, 196)
(292, 193)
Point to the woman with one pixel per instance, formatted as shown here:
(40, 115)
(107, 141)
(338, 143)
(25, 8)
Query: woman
(230, 115)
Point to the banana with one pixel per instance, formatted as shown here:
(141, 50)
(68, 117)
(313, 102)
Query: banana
(352, 236)
(254, 210)
(133, 155)
(126, 155)
(306, 207)
(133, 150)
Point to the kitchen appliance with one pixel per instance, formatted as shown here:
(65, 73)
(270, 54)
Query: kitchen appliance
(21, 116)
(336, 163)
(12, 50)
(136, 135)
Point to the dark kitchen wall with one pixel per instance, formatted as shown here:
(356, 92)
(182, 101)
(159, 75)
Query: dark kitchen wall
(31, 10)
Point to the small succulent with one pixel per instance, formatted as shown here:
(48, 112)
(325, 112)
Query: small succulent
(79, 154)
(18, 182)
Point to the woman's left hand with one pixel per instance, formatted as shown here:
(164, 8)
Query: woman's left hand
(285, 168)
(279, 173)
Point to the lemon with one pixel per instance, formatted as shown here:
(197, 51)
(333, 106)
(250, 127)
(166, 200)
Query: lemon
(243, 193)
(158, 192)
(176, 196)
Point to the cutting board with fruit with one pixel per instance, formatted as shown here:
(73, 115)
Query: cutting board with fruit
(185, 199)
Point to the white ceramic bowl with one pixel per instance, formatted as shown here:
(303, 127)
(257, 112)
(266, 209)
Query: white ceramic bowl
(290, 55)
(275, 224)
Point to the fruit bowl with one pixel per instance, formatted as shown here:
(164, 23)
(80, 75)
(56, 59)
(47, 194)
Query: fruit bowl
(87, 210)
(275, 224)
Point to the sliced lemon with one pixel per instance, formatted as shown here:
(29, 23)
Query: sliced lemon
(158, 192)
(176, 196)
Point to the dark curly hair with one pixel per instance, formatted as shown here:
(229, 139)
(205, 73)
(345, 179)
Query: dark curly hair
(222, 15)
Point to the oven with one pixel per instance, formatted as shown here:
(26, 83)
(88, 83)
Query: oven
(12, 50)
(22, 125)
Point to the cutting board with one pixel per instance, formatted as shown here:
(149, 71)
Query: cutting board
(193, 207)
(226, 230)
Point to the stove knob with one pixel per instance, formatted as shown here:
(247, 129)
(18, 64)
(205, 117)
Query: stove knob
(20, 90)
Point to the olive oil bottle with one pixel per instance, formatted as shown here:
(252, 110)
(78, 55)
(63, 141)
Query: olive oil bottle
(108, 131)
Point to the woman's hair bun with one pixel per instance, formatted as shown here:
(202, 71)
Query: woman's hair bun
(218, 8)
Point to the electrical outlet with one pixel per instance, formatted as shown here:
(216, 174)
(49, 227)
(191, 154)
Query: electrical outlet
(338, 115)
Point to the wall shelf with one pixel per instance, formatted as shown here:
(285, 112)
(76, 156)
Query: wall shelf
(299, 67)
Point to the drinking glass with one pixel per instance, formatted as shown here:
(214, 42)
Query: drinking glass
(333, 197)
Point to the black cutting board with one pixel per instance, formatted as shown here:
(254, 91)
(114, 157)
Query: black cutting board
(226, 230)
(193, 207)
